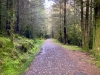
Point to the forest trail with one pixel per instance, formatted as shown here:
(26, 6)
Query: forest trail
(55, 60)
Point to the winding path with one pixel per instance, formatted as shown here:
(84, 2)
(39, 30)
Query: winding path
(55, 60)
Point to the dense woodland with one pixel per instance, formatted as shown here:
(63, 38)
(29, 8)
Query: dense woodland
(22, 17)
(73, 22)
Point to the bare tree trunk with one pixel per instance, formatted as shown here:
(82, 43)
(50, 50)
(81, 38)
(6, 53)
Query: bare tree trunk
(86, 27)
(91, 26)
(82, 25)
(74, 42)
(65, 36)
(60, 24)
(11, 21)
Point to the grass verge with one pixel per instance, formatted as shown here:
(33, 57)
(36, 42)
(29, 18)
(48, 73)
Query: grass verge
(15, 60)
(68, 47)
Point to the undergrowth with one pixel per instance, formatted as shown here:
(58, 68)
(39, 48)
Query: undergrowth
(68, 47)
(96, 57)
(15, 60)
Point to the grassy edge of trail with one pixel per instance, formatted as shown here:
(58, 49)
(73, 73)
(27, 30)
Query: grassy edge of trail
(38, 45)
(94, 61)
(15, 60)
(68, 47)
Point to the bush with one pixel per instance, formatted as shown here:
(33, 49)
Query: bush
(24, 47)
(12, 60)
(16, 36)
(74, 36)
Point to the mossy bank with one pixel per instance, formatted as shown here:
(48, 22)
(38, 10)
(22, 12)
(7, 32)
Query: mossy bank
(14, 60)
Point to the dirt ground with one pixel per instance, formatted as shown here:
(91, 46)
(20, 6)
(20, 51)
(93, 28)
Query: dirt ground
(55, 60)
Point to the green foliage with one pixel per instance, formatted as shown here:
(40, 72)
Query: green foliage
(14, 61)
(1, 44)
(96, 57)
(10, 66)
(3, 16)
(69, 47)
(73, 47)
(16, 36)
(3, 8)
(74, 35)
(5, 42)
(28, 23)
(24, 47)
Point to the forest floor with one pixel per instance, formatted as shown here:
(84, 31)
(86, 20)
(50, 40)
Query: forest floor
(56, 60)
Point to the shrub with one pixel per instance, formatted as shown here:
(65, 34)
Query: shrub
(16, 36)
(24, 47)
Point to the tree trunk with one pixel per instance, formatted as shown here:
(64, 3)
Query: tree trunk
(60, 25)
(86, 27)
(11, 21)
(74, 42)
(96, 38)
(91, 26)
(65, 36)
(82, 25)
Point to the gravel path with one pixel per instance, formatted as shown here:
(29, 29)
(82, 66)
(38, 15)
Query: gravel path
(55, 60)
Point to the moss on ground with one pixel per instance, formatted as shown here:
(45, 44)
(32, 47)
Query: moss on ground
(14, 60)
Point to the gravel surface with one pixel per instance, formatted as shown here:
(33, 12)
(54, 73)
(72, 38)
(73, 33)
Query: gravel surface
(55, 60)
